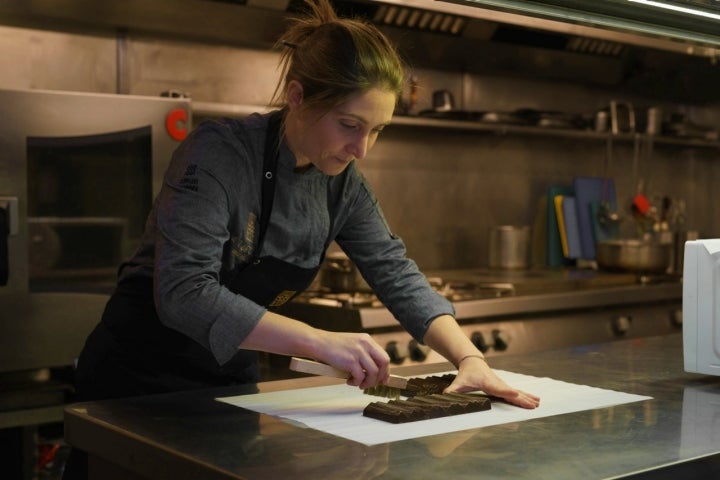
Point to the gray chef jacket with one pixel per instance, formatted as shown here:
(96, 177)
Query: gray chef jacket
(204, 224)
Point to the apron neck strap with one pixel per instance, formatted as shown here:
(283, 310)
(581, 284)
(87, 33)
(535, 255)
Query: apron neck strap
(270, 161)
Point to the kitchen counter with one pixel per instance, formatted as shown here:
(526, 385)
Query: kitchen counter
(189, 435)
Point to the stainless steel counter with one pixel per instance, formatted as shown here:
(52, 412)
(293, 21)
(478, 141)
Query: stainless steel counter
(189, 435)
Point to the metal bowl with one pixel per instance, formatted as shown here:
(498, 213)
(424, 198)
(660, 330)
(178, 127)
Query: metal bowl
(631, 255)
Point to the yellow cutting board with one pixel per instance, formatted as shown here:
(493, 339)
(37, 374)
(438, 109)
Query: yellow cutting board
(558, 200)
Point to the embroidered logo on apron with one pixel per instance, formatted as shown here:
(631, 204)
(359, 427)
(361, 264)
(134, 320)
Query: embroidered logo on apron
(282, 298)
(242, 247)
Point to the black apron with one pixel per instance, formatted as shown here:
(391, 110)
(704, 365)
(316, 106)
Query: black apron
(132, 353)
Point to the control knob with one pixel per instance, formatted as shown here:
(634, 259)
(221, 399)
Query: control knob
(396, 351)
(418, 352)
(501, 339)
(478, 339)
(621, 324)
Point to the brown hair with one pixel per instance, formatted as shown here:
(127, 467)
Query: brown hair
(336, 58)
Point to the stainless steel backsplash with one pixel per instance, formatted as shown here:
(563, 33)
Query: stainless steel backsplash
(441, 189)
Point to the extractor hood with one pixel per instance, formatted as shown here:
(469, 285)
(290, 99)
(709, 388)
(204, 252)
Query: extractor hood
(626, 44)
(621, 44)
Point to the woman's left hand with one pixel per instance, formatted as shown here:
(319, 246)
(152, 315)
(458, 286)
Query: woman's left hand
(475, 374)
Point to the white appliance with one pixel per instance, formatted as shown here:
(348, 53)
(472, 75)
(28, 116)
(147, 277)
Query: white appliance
(701, 306)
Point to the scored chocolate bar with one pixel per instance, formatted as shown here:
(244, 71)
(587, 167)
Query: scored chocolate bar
(424, 407)
(427, 385)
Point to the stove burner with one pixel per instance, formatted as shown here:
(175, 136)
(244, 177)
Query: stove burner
(453, 290)
(457, 291)
(344, 300)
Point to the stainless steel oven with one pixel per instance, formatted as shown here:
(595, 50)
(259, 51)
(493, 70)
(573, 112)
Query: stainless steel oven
(78, 173)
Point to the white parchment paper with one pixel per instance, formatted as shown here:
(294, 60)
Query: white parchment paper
(337, 409)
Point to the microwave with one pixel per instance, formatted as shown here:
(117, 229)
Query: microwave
(701, 306)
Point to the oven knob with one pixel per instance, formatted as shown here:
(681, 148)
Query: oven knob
(478, 339)
(621, 324)
(418, 352)
(500, 340)
(396, 352)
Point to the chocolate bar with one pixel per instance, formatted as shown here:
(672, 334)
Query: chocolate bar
(427, 385)
(424, 407)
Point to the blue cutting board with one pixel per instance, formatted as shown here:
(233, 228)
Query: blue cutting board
(589, 191)
(571, 227)
(553, 248)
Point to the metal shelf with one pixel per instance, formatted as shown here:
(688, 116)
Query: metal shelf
(212, 109)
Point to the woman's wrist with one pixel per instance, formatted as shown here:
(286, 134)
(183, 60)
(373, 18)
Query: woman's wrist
(471, 355)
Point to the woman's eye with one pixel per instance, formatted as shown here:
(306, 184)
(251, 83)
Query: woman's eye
(349, 125)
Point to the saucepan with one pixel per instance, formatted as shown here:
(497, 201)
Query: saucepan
(634, 255)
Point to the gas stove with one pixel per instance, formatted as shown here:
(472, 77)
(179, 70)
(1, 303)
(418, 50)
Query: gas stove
(466, 287)
(512, 311)
(455, 290)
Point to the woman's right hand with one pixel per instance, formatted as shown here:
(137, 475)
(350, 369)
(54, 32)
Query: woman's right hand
(356, 353)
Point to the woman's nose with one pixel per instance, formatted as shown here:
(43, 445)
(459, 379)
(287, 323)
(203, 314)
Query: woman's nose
(359, 147)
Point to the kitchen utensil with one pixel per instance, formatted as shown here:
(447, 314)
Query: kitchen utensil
(606, 221)
(622, 117)
(601, 120)
(509, 247)
(634, 255)
(605, 212)
(391, 389)
(589, 190)
(505, 118)
(654, 121)
(443, 101)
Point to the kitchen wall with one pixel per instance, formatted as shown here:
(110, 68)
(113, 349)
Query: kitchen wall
(441, 189)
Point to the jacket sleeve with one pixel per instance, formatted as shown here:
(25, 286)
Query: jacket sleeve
(382, 259)
(194, 210)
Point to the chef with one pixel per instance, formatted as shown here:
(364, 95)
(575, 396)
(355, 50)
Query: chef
(242, 222)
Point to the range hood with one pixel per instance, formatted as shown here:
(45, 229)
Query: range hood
(626, 44)
(621, 44)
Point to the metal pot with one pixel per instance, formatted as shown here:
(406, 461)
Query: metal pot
(632, 255)
(339, 274)
(509, 247)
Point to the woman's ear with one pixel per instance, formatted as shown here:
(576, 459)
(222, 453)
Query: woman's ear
(294, 94)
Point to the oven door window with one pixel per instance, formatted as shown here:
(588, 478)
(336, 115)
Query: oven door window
(88, 198)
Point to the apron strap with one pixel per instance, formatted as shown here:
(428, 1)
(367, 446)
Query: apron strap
(270, 160)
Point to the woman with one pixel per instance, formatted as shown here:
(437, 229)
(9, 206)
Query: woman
(241, 225)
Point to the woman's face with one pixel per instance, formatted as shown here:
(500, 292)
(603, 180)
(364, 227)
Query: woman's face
(330, 141)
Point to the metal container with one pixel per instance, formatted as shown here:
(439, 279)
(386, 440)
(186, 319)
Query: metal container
(443, 101)
(632, 255)
(509, 247)
(339, 274)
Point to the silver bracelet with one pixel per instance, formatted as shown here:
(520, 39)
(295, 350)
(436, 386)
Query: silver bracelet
(480, 356)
